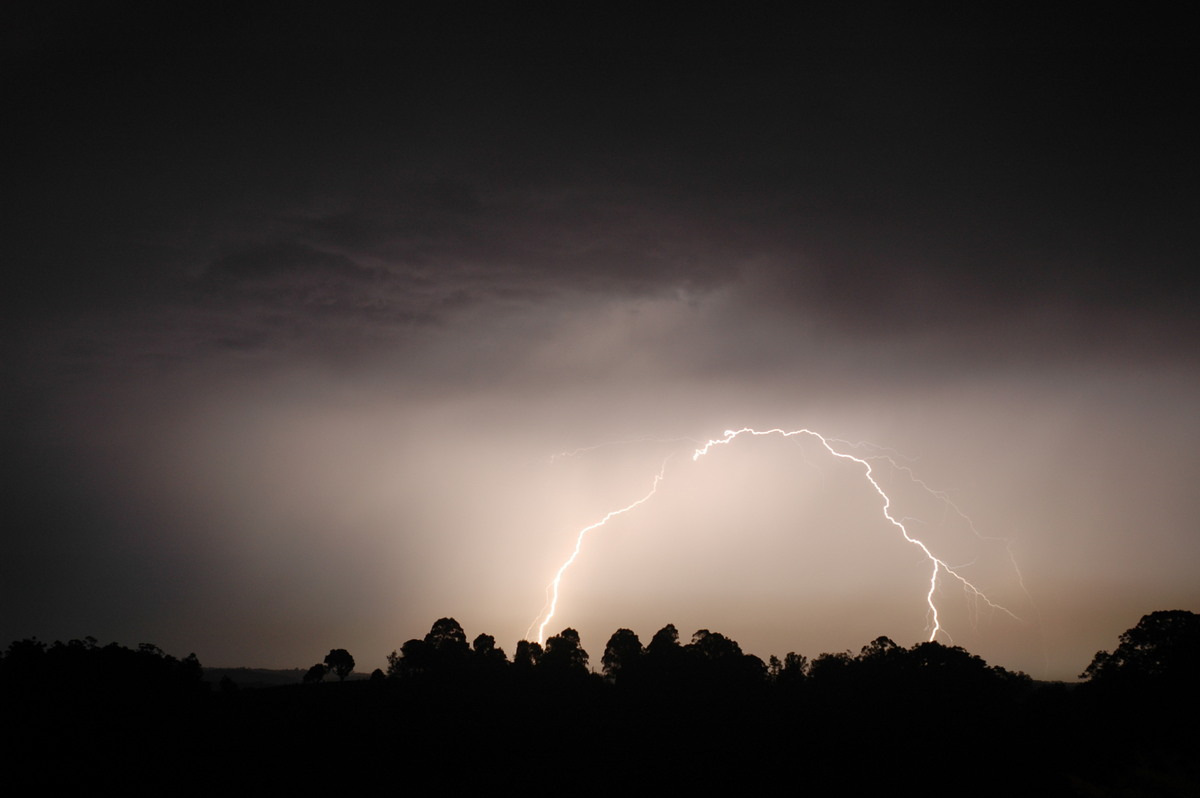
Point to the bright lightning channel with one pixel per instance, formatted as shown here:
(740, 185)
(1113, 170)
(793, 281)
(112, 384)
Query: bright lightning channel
(937, 565)
(552, 588)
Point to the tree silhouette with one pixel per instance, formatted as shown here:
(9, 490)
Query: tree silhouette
(1164, 648)
(316, 673)
(487, 657)
(622, 654)
(444, 650)
(713, 646)
(340, 662)
(564, 655)
(881, 648)
(790, 672)
(1146, 694)
(830, 670)
(527, 655)
(665, 640)
(715, 657)
(664, 662)
(448, 639)
(24, 661)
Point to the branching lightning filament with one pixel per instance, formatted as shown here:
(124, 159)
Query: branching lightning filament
(551, 605)
(937, 566)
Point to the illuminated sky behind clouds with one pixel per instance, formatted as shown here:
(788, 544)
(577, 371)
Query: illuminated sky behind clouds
(299, 309)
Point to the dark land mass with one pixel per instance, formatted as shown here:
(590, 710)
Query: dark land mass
(261, 677)
(448, 716)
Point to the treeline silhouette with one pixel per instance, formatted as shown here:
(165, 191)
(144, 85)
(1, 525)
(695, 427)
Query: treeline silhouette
(666, 715)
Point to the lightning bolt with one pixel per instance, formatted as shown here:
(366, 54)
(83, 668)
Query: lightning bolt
(938, 567)
(552, 588)
(947, 501)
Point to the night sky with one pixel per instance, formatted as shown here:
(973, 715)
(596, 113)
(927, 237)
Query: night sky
(309, 319)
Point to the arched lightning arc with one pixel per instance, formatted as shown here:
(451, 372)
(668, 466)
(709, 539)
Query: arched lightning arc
(938, 568)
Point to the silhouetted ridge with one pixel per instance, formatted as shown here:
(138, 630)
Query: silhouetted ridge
(664, 716)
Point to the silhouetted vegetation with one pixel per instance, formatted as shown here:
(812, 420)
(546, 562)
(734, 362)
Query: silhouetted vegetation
(316, 673)
(1162, 651)
(339, 662)
(1137, 710)
(74, 712)
(665, 715)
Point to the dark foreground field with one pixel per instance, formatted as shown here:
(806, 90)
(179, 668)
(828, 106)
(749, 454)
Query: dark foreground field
(669, 719)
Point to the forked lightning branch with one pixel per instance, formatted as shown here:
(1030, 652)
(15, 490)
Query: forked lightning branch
(939, 570)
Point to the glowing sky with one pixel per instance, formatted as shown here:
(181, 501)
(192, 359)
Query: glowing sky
(299, 311)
